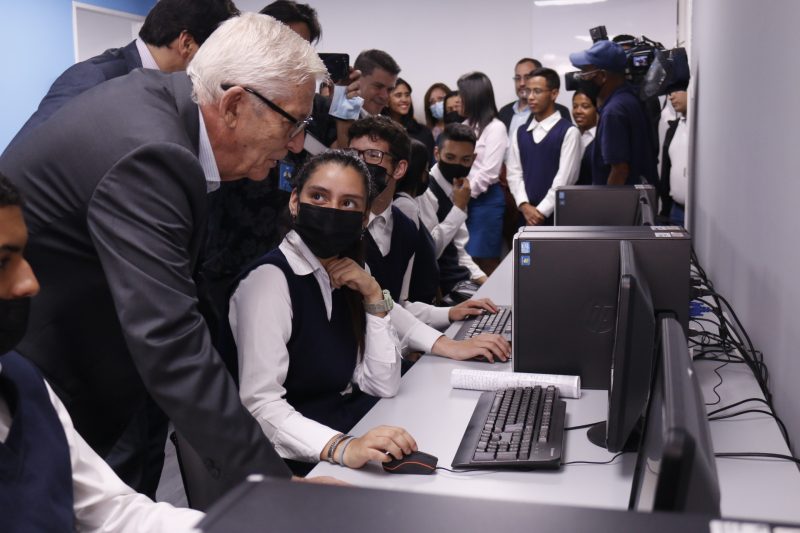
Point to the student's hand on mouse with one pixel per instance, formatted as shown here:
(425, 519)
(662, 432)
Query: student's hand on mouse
(489, 345)
(461, 193)
(532, 215)
(471, 308)
(344, 272)
(380, 444)
(481, 280)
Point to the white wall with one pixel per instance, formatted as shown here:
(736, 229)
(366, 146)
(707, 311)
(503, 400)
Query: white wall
(439, 41)
(746, 189)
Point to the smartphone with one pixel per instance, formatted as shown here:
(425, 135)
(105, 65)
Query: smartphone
(338, 66)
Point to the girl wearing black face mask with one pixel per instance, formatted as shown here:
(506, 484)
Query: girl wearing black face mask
(315, 343)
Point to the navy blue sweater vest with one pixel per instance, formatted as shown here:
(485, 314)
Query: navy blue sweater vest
(585, 175)
(322, 353)
(540, 162)
(425, 274)
(390, 270)
(35, 468)
(450, 272)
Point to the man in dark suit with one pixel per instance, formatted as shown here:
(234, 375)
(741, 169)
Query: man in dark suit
(116, 208)
(168, 40)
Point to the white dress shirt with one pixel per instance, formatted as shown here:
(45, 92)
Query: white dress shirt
(148, 61)
(490, 151)
(679, 159)
(452, 229)
(261, 322)
(206, 156)
(380, 227)
(102, 502)
(586, 139)
(569, 164)
(519, 118)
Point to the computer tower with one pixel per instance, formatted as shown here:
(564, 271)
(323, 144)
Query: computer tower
(566, 281)
(604, 205)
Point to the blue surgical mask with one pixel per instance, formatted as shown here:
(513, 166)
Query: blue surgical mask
(437, 110)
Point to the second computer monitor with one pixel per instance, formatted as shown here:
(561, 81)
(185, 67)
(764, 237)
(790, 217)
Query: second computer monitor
(605, 205)
(676, 469)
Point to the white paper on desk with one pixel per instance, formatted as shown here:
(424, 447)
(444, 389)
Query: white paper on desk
(463, 378)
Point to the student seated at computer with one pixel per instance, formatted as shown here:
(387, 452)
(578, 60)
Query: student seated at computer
(390, 251)
(50, 479)
(443, 206)
(316, 346)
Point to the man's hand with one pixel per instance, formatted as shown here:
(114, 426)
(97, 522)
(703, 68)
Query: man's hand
(489, 345)
(471, 308)
(532, 215)
(461, 193)
(481, 280)
(619, 174)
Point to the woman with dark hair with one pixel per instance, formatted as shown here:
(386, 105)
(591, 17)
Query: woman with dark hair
(434, 107)
(584, 112)
(401, 110)
(315, 343)
(486, 209)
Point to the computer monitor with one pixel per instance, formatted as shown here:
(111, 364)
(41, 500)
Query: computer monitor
(675, 469)
(631, 359)
(605, 205)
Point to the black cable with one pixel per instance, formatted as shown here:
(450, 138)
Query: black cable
(593, 462)
(583, 426)
(714, 390)
(760, 454)
(770, 413)
(731, 406)
(465, 471)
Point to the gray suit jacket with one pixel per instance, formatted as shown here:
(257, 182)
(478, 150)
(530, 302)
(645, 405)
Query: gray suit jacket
(116, 210)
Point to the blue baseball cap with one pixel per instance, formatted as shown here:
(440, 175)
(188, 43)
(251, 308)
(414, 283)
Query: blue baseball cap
(606, 55)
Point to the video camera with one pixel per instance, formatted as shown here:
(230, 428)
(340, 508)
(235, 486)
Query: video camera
(668, 71)
(641, 53)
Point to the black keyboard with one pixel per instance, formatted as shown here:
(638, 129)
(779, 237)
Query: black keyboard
(499, 323)
(518, 428)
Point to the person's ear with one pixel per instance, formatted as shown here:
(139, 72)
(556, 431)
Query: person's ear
(436, 153)
(230, 105)
(187, 46)
(400, 169)
(554, 94)
(294, 200)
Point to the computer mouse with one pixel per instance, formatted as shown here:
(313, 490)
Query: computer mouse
(413, 463)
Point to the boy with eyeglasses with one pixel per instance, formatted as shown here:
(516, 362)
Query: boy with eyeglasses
(544, 155)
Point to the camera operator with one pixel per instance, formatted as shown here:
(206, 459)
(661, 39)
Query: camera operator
(624, 152)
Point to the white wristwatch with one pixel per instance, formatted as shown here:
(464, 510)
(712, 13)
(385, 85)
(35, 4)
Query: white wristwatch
(384, 306)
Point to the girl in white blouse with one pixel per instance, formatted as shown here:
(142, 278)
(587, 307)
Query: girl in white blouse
(316, 346)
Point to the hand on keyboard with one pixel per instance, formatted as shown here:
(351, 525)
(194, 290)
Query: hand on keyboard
(489, 345)
(471, 308)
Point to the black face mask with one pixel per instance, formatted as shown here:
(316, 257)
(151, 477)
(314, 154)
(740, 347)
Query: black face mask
(13, 322)
(451, 171)
(328, 232)
(379, 177)
(453, 116)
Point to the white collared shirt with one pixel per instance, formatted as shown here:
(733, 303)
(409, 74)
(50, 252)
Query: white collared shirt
(148, 61)
(452, 229)
(569, 163)
(101, 501)
(380, 227)
(206, 156)
(490, 150)
(587, 137)
(261, 322)
(679, 161)
(519, 118)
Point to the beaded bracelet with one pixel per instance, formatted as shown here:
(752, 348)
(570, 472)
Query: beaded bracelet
(334, 443)
(344, 449)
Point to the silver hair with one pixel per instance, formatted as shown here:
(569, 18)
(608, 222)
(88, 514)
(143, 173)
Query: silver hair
(254, 51)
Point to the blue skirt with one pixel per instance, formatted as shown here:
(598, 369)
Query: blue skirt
(485, 223)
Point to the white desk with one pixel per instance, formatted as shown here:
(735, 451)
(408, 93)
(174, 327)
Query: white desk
(437, 416)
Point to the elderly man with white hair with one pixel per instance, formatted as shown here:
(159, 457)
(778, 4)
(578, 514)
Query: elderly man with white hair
(115, 187)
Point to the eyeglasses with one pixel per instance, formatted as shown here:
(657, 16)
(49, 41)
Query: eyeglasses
(525, 77)
(537, 91)
(371, 156)
(297, 125)
(582, 76)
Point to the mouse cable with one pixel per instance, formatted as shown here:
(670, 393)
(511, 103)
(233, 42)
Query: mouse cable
(593, 462)
(760, 454)
(583, 426)
(467, 470)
